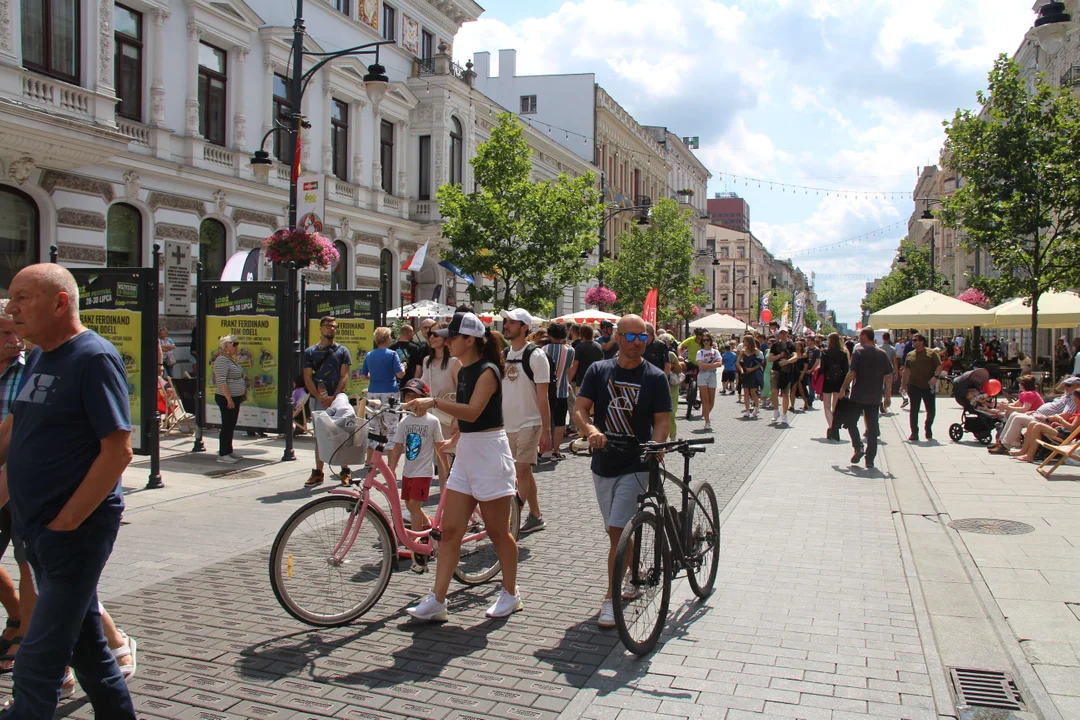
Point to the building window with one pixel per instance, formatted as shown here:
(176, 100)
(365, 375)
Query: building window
(339, 274)
(424, 191)
(456, 157)
(528, 104)
(724, 251)
(50, 38)
(212, 93)
(339, 138)
(212, 248)
(739, 300)
(386, 275)
(128, 62)
(386, 155)
(123, 237)
(342, 6)
(19, 233)
(427, 45)
(284, 143)
(389, 22)
(742, 251)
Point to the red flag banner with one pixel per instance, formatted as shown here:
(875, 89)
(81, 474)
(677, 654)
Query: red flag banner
(649, 312)
(297, 151)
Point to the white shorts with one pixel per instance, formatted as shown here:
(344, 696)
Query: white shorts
(483, 468)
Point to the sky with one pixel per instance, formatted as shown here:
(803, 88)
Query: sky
(826, 94)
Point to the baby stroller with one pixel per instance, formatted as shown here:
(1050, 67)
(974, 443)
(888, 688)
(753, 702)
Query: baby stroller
(983, 427)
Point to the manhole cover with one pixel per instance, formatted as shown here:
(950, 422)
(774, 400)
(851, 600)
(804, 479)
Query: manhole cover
(985, 689)
(991, 526)
(238, 474)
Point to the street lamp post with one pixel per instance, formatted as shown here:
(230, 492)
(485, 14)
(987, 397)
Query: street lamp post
(645, 208)
(375, 83)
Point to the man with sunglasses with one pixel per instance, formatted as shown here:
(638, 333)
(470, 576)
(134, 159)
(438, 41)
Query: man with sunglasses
(919, 381)
(626, 396)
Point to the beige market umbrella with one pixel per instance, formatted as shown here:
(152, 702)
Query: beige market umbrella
(930, 309)
(589, 317)
(719, 322)
(1056, 309)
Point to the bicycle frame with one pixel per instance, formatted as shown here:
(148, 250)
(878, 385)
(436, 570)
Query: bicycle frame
(677, 530)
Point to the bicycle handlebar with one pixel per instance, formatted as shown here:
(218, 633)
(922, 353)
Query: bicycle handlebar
(631, 443)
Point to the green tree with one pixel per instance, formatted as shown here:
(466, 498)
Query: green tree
(905, 282)
(1020, 200)
(659, 256)
(526, 237)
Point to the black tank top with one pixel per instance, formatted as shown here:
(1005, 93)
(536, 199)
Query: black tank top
(492, 415)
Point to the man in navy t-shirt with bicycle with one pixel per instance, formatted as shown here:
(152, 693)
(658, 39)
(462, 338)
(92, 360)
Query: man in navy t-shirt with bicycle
(625, 396)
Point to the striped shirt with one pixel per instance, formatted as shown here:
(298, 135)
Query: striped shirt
(562, 357)
(228, 373)
(9, 384)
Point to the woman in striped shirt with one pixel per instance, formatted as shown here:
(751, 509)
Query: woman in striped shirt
(230, 389)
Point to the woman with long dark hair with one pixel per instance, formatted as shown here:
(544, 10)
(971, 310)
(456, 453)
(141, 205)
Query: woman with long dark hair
(483, 471)
(834, 368)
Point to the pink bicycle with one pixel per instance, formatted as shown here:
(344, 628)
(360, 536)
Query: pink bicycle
(333, 558)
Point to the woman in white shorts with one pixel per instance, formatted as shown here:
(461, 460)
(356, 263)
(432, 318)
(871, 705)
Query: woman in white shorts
(708, 359)
(483, 471)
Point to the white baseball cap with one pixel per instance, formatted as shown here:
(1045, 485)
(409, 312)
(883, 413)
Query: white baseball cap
(519, 314)
(463, 324)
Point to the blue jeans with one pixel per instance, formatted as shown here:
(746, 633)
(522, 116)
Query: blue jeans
(65, 628)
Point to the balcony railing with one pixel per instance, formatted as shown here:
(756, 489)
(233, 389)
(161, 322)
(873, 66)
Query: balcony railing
(219, 156)
(343, 190)
(390, 202)
(1071, 77)
(642, 200)
(133, 131)
(57, 95)
(425, 67)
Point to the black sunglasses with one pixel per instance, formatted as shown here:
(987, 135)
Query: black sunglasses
(236, 343)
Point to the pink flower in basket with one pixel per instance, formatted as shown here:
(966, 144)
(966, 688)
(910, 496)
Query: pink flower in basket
(601, 297)
(301, 247)
(974, 296)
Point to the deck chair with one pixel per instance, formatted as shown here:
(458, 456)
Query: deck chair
(1067, 448)
(302, 417)
(175, 414)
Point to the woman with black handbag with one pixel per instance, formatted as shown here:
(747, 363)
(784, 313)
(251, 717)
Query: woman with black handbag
(834, 367)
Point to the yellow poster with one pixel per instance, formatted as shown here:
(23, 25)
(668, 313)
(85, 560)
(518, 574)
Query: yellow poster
(356, 334)
(257, 355)
(123, 328)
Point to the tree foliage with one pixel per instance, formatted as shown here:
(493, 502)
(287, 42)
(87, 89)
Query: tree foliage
(660, 256)
(1020, 200)
(905, 282)
(525, 237)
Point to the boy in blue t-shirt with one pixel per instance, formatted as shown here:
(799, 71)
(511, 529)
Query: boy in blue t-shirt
(729, 359)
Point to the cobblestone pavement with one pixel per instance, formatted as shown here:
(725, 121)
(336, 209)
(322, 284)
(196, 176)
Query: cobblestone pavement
(189, 580)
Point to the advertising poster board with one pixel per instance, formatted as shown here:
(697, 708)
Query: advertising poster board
(357, 313)
(117, 305)
(251, 311)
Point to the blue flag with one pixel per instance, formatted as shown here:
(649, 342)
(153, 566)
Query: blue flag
(457, 271)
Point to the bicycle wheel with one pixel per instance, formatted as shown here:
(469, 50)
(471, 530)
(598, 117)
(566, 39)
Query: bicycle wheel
(703, 553)
(479, 563)
(312, 586)
(642, 606)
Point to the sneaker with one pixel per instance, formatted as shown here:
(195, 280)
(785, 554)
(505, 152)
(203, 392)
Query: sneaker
(226, 459)
(429, 610)
(631, 592)
(345, 476)
(929, 435)
(859, 452)
(532, 524)
(904, 404)
(708, 426)
(236, 457)
(607, 614)
(783, 419)
(506, 605)
(913, 437)
(775, 415)
(419, 563)
(869, 464)
(316, 478)
(753, 413)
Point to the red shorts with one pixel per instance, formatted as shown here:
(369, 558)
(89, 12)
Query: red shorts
(415, 488)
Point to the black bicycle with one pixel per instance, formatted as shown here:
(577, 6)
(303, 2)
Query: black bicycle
(660, 541)
(692, 401)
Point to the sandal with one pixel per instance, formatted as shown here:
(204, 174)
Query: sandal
(128, 649)
(67, 688)
(9, 654)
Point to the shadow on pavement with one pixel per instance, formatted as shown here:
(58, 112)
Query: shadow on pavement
(860, 472)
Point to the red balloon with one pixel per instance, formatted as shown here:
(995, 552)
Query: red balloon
(766, 315)
(991, 387)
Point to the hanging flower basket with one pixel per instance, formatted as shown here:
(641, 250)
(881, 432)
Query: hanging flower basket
(301, 247)
(601, 297)
(974, 296)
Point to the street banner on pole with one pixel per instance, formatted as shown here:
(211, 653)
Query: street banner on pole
(311, 202)
(785, 314)
(649, 311)
(250, 311)
(799, 322)
(764, 307)
(357, 313)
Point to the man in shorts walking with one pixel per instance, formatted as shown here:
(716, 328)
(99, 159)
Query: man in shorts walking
(627, 396)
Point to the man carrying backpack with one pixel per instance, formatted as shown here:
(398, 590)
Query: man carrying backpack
(526, 410)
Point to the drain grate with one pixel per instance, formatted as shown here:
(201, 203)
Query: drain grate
(238, 474)
(991, 526)
(985, 688)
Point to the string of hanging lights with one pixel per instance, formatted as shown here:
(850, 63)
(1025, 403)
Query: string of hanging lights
(879, 232)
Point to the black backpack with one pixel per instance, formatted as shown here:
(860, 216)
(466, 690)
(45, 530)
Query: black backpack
(530, 348)
(835, 373)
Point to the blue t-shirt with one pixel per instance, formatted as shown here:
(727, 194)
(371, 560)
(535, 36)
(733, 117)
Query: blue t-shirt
(624, 402)
(325, 364)
(72, 397)
(382, 365)
(729, 359)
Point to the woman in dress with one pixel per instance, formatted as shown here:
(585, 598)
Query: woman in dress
(751, 367)
(483, 471)
(834, 368)
(230, 389)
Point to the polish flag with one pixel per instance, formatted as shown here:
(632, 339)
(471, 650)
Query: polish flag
(416, 261)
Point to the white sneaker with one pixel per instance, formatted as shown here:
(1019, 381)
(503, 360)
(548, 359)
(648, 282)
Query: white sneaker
(631, 592)
(775, 415)
(236, 457)
(506, 605)
(607, 614)
(783, 419)
(753, 413)
(708, 426)
(430, 610)
(226, 459)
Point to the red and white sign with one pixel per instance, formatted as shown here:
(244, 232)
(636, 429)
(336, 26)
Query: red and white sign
(649, 312)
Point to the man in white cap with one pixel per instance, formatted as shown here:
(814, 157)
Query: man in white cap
(526, 411)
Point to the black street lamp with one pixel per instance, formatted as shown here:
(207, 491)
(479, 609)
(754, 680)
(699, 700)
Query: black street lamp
(644, 206)
(375, 83)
